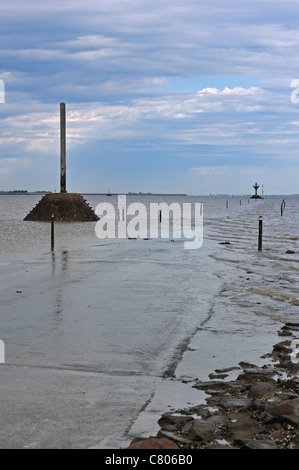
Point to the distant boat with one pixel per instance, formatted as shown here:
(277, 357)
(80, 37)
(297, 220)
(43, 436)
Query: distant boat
(109, 194)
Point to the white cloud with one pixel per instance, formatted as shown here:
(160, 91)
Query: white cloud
(236, 91)
(109, 60)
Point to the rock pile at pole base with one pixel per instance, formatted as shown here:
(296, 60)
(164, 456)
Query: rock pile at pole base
(66, 207)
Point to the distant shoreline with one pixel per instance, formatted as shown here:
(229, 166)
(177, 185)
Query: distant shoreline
(41, 193)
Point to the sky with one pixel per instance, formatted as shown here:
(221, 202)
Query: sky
(162, 96)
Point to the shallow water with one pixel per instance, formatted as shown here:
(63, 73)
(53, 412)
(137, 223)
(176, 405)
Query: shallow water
(99, 333)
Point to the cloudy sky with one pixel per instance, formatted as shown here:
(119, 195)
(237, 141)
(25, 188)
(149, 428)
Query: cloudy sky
(188, 96)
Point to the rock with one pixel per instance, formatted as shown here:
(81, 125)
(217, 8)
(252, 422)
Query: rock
(218, 420)
(232, 403)
(174, 437)
(295, 443)
(218, 376)
(261, 389)
(244, 428)
(200, 410)
(255, 444)
(227, 369)
(251, 377)
(285, 333)
(290, 252)
(202, 431)
(261, 371)
(154, 443)
(219, 446)
(169, 421)
(289, 365)
(292, 384)
(282, 348)
(239, 413)
(247, 365)
(212, 385)
(285, 411)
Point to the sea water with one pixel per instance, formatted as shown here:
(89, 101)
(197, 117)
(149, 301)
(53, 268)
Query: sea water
(121, 329)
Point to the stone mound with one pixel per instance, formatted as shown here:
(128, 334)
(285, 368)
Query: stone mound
(66, 207)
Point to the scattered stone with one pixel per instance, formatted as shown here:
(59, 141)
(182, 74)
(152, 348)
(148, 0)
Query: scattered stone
(233, 403)
(245, 427)
(255, 444)
(258, 410)
(211, 385)
(290, 252)
(287, 410)
(255, 377)
(262, 389)
(282, 348)
(217, 376)
(219, 446)
(247, 365)
(227, 369)
(154, 443)
(170, 422)
(202, 431)
(289, 365)
(173, 437)
(292, 383)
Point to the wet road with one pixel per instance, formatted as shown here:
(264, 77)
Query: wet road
(91, 337)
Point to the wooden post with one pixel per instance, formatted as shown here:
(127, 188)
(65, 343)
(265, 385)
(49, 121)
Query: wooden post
(160, 216)
(62, 149)
(281, 209)
(52, 232)
(260, 246)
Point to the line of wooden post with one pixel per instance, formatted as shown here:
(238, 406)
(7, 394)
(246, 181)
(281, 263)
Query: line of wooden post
(282, 207)
(260, 244)
(52, 232)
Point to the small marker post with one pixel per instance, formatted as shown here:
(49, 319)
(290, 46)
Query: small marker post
(52, 232)
(260, 244)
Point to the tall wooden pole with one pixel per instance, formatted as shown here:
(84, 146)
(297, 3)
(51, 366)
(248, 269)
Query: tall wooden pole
(62, 149)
